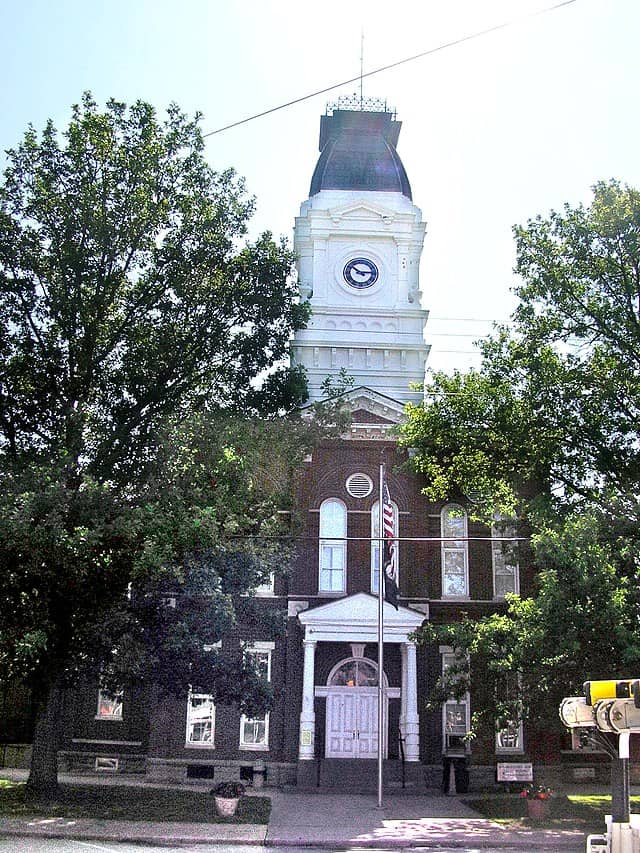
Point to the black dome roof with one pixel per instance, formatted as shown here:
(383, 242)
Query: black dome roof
(358, 152)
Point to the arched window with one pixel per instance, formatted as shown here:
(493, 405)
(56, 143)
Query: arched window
(455, 552)
(354, 672)
(333, 549)
(375, 545)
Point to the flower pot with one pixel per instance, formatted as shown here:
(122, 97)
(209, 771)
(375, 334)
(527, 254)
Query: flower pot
(538, 809)
(226, 806)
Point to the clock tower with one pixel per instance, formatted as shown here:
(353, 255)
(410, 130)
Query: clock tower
(358, 240)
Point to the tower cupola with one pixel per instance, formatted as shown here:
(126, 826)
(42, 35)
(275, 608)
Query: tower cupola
(358, 241)
(358, 151)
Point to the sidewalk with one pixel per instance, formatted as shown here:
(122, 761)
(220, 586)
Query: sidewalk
(330, 820)
(314, 820)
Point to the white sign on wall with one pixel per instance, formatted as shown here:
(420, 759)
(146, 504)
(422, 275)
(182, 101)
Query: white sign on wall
(509, 771)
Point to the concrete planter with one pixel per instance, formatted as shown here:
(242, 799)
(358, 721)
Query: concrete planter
(538, 809)
(226, 806)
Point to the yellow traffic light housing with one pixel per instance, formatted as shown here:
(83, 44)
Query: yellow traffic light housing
(594, 691)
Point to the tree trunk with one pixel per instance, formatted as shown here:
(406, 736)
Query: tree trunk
(43, 777)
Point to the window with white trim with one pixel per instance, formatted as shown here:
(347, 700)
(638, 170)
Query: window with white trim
(333, 549)
(375, 545)
(456, 713)
(109, 705)
(455, 552)
(266, 589)
(254, 731)
(506, 574)
(201, 720)
(509, 737)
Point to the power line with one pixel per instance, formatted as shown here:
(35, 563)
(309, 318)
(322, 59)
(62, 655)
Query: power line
(465, 320)
(291, 537)
(361, 76)
(457, 335)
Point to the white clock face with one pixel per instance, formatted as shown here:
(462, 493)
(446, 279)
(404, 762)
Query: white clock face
(360, 273)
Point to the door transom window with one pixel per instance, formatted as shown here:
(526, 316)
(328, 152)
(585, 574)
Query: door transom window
(357, 672)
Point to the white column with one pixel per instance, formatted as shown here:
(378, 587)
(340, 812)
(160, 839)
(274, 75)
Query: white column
(412, 721)
(307, 716)
(403, 690)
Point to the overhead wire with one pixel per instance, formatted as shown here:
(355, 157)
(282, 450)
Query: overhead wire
(472, 36)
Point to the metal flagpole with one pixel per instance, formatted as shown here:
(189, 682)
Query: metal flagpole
(380, 636)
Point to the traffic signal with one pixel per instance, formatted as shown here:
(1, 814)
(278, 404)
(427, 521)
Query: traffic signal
(602, 709)
(594, 691)
(575, 713)
(622, 715)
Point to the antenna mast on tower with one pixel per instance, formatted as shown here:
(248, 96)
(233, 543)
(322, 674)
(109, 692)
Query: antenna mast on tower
(361, 65)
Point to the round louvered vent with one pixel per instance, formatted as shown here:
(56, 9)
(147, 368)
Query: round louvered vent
(359, 485)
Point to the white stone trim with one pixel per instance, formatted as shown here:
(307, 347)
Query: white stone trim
(321, 691)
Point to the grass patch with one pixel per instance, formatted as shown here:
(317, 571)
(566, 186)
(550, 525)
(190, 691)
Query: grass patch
(111, 802)
(565, 812)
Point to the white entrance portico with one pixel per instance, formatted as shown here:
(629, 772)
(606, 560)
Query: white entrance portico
(352, 707)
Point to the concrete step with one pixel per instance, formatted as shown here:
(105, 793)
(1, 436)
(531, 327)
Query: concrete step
(361, 775)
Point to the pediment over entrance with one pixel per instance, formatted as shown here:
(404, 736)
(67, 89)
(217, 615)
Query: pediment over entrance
(355, 619)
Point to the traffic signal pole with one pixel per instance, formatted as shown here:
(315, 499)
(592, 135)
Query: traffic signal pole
(608, 708)
(620, 806)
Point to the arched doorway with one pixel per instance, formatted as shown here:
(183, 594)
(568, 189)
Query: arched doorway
(352, 710)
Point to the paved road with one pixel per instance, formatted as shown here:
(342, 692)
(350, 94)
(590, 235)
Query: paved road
(66, 845)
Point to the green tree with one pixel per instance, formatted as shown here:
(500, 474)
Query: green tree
(126, 293)
(89, 571)
(580, 625)
(555, 405)
(129, 301)
(547, 429)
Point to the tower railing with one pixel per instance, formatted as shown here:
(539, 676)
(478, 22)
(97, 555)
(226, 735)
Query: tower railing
(357, 102)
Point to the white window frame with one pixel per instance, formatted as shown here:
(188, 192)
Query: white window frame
(266, 590)
(332, 545)
(460, 546)
(106, 700)
(448, 659)
(500, 557)
(375, 544)
(191, 721)
(266, 649)
(510, 684)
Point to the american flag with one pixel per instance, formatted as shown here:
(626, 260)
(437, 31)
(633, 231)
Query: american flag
(389, 557)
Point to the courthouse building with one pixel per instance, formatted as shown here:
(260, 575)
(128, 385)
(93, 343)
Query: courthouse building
(358, 239)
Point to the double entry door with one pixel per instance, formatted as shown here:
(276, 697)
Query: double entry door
(352, 722)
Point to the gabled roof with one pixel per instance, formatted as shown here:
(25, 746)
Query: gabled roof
(386, 413)
(365, 399)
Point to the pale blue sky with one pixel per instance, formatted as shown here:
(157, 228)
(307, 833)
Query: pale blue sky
(495, 130)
